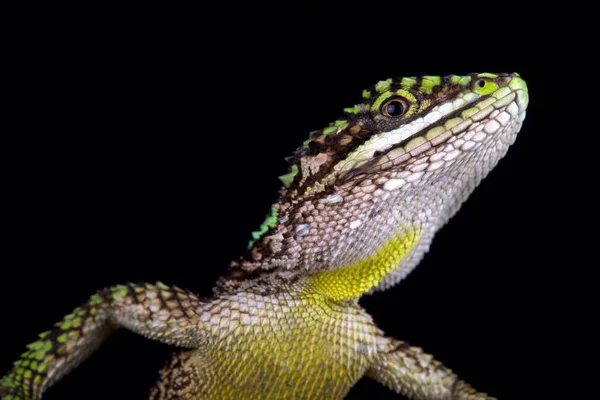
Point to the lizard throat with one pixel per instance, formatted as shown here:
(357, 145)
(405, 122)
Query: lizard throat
(354, 280)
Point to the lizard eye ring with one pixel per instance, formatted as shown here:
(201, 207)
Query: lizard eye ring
(395, 107)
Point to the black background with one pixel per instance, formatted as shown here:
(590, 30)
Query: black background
(144, 144)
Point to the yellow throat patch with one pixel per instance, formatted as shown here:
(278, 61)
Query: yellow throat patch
(351, 281)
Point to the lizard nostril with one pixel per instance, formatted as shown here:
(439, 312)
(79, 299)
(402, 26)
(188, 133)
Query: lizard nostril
(481, 83)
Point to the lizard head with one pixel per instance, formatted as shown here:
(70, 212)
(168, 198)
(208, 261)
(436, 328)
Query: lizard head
(401, 118)
(365, 195)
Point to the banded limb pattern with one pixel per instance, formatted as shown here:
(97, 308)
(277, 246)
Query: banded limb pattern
(418, 376)
(166, 314)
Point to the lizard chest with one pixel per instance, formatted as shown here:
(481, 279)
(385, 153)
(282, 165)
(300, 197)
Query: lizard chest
(266, 347)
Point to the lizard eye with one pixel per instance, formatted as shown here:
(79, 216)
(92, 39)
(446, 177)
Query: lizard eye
(394, 107)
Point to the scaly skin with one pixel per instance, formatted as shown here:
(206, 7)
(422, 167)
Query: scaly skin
(360, 206)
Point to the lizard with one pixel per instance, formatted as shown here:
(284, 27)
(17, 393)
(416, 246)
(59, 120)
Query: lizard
(358, 209)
